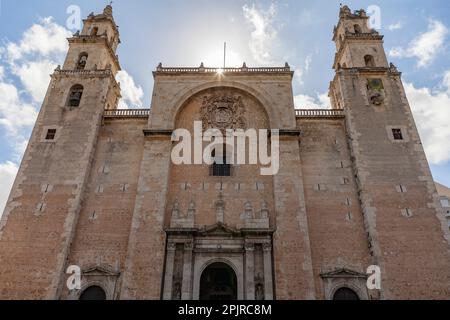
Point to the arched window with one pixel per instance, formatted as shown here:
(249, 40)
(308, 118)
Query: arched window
(222, 157)
(94, 293)
(94, 31)
(369, 61)
(82, 60)
(345, 294)
(76, 92)
(357, 28)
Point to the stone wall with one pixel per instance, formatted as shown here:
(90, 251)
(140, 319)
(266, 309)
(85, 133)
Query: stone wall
(103, 229)
(336, 225)
(41, 215)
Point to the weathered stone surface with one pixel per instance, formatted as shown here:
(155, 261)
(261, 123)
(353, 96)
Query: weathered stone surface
(104, 194)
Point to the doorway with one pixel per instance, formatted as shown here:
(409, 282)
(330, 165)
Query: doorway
(218, 282)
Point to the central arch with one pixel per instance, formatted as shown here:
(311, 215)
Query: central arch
(260, 96)
(218, 282)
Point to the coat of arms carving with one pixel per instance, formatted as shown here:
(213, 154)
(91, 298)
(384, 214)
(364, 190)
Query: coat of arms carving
(375, 91)
(222, 112)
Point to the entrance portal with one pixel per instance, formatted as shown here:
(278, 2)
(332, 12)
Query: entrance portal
(218, 282)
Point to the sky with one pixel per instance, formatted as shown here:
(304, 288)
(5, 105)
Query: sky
(187, 32)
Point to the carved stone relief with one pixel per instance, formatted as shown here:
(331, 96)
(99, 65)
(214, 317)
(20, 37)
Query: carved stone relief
(375, 91)
(223, 111)
(260, 220)
(180, 220)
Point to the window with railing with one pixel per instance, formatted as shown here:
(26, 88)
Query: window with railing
(221, 156)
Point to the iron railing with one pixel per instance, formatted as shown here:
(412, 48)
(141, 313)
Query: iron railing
(127, 113)
(320, 113)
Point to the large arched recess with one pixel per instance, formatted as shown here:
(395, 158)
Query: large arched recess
(199, 186)
(273, 117)
(231, 91)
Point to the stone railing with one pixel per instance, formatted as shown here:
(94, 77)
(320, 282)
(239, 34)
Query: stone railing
(301, 113)
(99, 72)
(127, 113)
(371, 35)
(243, 69)
(319, 113)
(88, 37)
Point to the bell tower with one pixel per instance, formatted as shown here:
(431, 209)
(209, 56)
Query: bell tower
(41, 215)
(396, 190)
(94, 48)
(357, 45)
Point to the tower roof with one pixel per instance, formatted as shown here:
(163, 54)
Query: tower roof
(106, 14)
(346, 12)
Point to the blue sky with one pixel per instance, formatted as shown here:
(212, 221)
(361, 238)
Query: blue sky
(188, 32)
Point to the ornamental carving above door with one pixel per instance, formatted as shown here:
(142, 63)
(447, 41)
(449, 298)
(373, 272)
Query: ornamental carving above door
(222, 111)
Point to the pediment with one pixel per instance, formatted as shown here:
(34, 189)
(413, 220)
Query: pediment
(99, 271)
(343, 273)
(218, 229)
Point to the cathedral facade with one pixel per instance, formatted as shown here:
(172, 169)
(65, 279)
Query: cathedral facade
(98, 187)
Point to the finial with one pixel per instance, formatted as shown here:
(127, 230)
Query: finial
(344, 11)
(108, 9)
(393, 67)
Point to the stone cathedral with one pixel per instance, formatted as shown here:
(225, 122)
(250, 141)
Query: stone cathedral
(97, 188)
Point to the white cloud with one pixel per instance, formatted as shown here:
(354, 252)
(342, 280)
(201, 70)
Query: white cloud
(301, 73)
(425, 47)
(35, 77)
(32, 59)
(20, 146)
(308, 62)
(14, 113)
(264, 33)
(322, 101)
(431, 111)
(47, 38)
(395, 26)
(8, 173)
(131, 93)
(446, 81)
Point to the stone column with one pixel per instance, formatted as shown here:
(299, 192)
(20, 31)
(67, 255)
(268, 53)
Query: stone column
(187, 272)
(268, 275)
(292, 251)
(168, 277)
(143, 272)
(250, 271)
